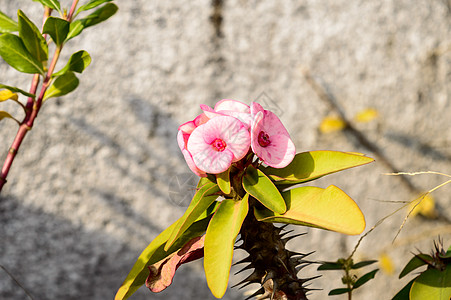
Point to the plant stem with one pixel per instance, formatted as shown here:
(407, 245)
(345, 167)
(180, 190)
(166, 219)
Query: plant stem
(32, 110)
(72, 10)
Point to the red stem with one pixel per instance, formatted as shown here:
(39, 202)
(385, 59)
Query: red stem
(32, 107)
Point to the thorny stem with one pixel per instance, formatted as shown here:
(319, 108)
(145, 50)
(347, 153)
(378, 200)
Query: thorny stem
(33, 106)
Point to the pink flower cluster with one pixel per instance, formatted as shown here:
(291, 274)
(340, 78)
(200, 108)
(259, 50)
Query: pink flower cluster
(218, 137)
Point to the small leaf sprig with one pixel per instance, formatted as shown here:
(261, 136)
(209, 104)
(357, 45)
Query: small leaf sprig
(432, 283)
(28, 52)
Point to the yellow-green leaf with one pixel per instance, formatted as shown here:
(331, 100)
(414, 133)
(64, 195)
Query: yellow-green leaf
(77, 63)
(62, 85)
(155, 252)
(32, 38)
(16, 90)
(432, 284)
(219, 241)
(259, 186)
(101, 14)
(203, 198)
(57, 28)
(328, 208)
(223, 180)
(53, 4)
(14, 52)
(311, 165)
(7, 94)
(7, 24)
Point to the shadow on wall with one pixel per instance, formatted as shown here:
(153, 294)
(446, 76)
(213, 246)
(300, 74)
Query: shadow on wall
(54, 259)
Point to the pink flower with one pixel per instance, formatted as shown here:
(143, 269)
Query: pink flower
(183, 135)
(229, 107)
(270, 140)
(219, 142)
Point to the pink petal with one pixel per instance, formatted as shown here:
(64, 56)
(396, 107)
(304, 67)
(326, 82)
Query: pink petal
(234, 133)
(190, 162)
(212, 161)
(232, 105)
(281, 150)
(255, 108)
(272, 124)
(187, 127)
(279, 153)
(210, 112)
(228, 129)
(201, 119)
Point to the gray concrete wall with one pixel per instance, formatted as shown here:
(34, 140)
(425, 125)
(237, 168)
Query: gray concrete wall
(90, 186)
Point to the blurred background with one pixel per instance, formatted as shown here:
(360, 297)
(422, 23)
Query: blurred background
(100, 174)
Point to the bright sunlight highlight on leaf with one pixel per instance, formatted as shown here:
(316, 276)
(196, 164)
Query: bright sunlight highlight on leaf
(328, 208)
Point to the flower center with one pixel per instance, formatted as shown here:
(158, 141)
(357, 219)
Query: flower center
(219, 145)
(263, 139)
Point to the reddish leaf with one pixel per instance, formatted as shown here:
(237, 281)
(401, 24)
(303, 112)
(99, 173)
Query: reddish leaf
(162, 272)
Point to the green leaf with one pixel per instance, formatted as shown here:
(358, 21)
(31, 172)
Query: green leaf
(308, 166)
(5, 115)
(223, 180)
(447, 254)
(62, 85)
(32, 38)
(403, 294)
(14, 52)
(364, 279)
(91, 4)
(219, 240)
(416, 262)
(53, 4)
(77, 63)
(363, 264)
(16, 90)
(330, 265)
(96, 17)
(432, 284)
(263, 189)
(155, 252)
(203, 198)
(7, 24)
(328, 208)
(339, 291)
(57, 28)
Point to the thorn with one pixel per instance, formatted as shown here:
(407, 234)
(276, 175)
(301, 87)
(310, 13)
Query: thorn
(269, 275)
(260, 291)
(274, 288)
(304, 280)
(244, 260)
(243, 286)
(249, 266)
(283, 227)
(286, 232)
(292, 253)
(300, 267)
(285, 240)
(283, 264)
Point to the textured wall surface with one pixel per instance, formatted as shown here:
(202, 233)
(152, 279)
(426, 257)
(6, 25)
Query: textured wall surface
(90, 187)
